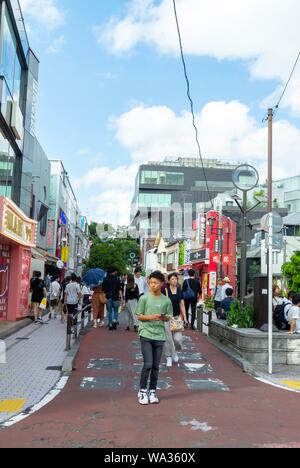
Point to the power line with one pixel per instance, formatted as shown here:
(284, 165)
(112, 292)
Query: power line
(191, 100)
(287, 84)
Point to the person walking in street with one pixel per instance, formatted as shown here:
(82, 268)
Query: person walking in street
(54, 298)
(131, 296)
(39, 292)
(112, 288)
(140, 281)
(63, 305)
(226, 304)
(294, 315)
(218, 297)
(174, 338)
(98, 303)
(72, 295)
(191, 293)
(153, 311)
(226, 285)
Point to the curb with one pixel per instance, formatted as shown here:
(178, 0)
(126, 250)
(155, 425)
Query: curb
(15, 329)
(69, 362)
(236, 358)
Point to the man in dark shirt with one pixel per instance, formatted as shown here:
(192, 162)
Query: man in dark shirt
(112, 288)
(226, 303)
(191, 292)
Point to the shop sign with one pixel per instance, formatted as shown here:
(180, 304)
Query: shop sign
(25, 283)
(15, 225)
(213, 280)
(226, 259)
(4, 279)
(216, 258)
(202, 254)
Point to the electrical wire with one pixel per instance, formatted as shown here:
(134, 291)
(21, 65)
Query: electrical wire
(191, 101)
(287, 84)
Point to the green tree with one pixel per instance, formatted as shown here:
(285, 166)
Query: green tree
(291, 271)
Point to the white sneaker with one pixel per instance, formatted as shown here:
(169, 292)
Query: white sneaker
(143, 397)
(169, 362)
(153, 399)
(176, 358)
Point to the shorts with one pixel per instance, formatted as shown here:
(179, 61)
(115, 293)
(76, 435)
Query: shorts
(54, 302)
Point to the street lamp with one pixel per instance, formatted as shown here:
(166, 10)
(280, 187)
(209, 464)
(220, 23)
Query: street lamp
(245, 178)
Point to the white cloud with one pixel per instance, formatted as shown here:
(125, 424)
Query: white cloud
(44, 13)
(263, 33)
(112, 201)
(56, 46)
(227, 131)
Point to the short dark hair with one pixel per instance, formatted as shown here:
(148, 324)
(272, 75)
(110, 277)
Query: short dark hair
(229, 292)
(158, 276)
(37, 274)
(111, 270)
(291, 294)
(73, 277)
(171, 275)
(130, 281)
(296, 299)
(138, 270)
(192, 272)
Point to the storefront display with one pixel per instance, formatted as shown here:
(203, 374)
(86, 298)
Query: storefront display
(17, 237)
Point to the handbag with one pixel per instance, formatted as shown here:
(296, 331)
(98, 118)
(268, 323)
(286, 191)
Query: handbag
(189, 293)
(176, 325)
(43, 304)
(102, 298)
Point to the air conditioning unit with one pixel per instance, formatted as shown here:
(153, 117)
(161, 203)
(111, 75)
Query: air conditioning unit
(17, 121)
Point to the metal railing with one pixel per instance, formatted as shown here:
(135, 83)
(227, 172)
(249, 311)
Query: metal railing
(72, 323)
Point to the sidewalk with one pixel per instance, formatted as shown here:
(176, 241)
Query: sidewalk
(34, 358)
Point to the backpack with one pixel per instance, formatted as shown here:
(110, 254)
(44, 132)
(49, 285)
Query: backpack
(280, 318)
(189, 293)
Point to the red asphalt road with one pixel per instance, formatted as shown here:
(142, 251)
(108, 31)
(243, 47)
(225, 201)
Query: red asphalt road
(251, 414)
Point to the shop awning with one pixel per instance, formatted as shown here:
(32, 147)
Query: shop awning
(41, 254)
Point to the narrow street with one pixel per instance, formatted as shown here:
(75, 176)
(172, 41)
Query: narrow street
(206, 401)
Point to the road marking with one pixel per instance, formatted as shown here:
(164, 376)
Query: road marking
(198, 426)
(273, 384)
(11, 406)
(294, 384)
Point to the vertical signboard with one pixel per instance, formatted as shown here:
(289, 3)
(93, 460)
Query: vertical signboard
(4, 280)
(25, 283)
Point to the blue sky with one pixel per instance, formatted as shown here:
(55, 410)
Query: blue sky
(112, 91)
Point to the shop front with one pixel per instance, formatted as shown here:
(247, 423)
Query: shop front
(17, 237)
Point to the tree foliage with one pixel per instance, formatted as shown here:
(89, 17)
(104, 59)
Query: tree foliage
(291, 271)
(113, 250)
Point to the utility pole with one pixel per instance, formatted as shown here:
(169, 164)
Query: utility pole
(244, 250)
(270, 253)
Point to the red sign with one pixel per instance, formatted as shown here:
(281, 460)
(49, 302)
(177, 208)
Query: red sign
(226, 259)
(216, 258)
(4, 280)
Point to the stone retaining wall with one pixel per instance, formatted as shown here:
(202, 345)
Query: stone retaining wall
(252, 344)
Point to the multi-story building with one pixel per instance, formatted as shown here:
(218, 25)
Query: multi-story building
(287, 193)
(67, 230)
(18, 149)
(168, 196)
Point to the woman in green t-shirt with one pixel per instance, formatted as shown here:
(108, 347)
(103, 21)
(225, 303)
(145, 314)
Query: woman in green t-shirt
(154, 309)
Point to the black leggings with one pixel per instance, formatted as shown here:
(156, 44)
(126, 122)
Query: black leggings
(152, 352)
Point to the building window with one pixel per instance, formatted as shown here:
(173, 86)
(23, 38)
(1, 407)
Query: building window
(7, 168)
(11, 68)
(155, 200)
(162, 178)
(43, 226)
